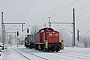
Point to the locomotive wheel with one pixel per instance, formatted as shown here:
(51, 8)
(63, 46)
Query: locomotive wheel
(31, 47)
(41, 49)
(56, 50)
(36, 48)
(53, 50)
(45, 50)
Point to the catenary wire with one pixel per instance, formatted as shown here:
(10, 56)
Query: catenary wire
(61, 9)
(11, 27)
(85, 33)
(77, 11)
(80, 10)
(64, 29)
(79, 15)
(27, 11)
(64, 8)
(54, 8)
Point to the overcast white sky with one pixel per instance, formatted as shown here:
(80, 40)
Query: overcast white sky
(36, 12)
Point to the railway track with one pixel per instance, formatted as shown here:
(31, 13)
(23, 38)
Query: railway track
(49, 57)
(22, 55)
(33, 54)
(73, 56)
(52, 55)
(64, 55)
(75, 51)
(78, 54)
(82, 53)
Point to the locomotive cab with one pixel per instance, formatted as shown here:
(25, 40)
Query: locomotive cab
(51, 39)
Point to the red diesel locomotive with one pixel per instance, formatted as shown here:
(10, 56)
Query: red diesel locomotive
(45, 39)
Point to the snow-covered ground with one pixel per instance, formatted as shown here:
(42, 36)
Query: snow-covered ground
(22, 53)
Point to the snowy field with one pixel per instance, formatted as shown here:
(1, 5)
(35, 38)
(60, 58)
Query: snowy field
(22, 53)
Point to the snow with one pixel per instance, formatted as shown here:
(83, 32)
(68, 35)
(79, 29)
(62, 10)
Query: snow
(69, 53)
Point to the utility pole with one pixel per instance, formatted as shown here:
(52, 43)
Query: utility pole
(73, 27)
(78, 34)
(49, 22)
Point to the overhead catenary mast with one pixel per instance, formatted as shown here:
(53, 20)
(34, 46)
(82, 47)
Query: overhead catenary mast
(3, 30)
(49, 22)
(73, 23)
(73, 27)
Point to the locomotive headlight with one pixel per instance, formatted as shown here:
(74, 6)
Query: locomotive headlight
(46, 44)
(53, 32)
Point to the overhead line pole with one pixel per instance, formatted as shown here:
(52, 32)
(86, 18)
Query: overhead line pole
(49, 22)
(3, 39)
(68, 23)
(73, 27)
(60, 23)
(15, 23)
(3, 30)
(22, 27)
(78, 34)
